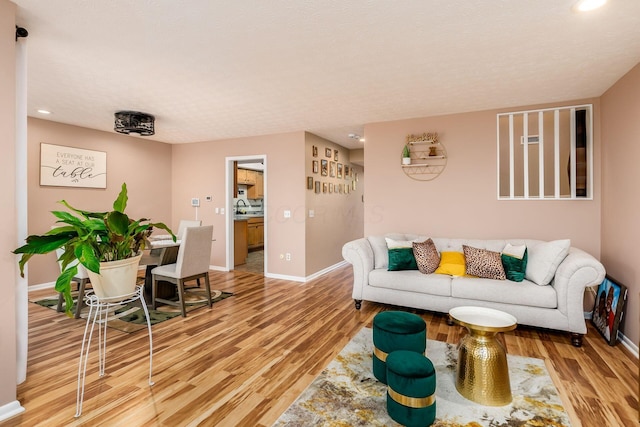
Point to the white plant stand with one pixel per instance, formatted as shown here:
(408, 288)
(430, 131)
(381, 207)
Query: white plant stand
(99, 313)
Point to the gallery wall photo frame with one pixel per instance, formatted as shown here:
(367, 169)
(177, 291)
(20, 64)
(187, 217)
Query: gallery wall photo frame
(62, 166)
(608, 310)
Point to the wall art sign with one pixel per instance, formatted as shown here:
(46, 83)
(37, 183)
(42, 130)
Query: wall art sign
(62, 166)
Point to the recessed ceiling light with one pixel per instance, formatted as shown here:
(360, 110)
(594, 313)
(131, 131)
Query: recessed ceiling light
(587, 5)
(44, 112)
(361, 139)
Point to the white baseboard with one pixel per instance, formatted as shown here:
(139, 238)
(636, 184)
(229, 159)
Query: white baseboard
(325, 270)
(10, 410)
(47, 285)
(285, 277)
(630, 345)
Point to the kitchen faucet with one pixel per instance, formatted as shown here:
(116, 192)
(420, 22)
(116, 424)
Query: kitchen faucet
(238, 204)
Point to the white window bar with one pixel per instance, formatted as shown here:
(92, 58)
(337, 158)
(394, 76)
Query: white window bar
(572, 142)
(556, 151)
(511, 160)
(525, 154)
(540, 155)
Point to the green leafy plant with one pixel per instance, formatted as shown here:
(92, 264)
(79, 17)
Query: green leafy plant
(91, 238)
(405, 151)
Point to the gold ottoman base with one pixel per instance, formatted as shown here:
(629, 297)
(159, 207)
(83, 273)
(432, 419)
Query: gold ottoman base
(482, 374)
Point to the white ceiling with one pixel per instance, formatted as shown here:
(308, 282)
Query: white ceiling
(215, 69)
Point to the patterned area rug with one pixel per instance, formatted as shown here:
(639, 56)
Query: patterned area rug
(130, 317)
(347, 394)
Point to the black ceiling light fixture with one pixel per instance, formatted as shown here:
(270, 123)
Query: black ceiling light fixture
(134, 122)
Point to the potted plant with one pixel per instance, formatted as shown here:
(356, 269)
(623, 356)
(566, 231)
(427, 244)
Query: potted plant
(104, 242)
(406, 155)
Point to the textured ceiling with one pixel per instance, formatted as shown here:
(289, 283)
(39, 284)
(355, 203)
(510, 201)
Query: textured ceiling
(215, 69)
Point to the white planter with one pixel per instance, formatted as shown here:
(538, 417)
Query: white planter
(406, 160)
(117, 279)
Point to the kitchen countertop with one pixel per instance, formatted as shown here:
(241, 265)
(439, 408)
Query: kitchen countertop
(244, 217)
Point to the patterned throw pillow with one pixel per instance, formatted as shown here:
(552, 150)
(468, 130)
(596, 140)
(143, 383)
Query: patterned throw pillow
(483, 263)
(426, 256)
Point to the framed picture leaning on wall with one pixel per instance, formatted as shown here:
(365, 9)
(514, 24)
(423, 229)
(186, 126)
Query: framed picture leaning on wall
(608, 309)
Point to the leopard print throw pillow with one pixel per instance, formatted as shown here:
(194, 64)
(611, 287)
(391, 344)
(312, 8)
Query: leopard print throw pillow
(426, 256)
(483, 263)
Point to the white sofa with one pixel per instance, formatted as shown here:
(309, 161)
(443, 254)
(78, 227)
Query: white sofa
(558, 305)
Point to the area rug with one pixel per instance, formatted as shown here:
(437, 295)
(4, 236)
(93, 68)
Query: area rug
(130, 317)
(347, 394)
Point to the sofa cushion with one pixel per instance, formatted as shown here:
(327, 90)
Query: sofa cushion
(544, 259)
(504, 291)
(483, 263)
(400, 255)
(451, 263)
(411, 281)
(426, 256)
(514, 261)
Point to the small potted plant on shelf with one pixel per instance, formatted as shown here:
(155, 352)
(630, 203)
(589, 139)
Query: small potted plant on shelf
(406, 155)
(106, 243)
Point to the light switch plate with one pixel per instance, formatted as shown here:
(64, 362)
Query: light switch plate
(311, 213)
(195, 202)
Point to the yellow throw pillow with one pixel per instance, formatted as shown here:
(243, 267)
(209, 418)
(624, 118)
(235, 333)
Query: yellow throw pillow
(451, 263)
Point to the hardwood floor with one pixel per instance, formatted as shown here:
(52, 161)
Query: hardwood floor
(243, 362)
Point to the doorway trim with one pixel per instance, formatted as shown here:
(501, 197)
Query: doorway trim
(229, 229)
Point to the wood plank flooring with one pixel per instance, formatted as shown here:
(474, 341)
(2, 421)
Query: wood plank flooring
(243, 362)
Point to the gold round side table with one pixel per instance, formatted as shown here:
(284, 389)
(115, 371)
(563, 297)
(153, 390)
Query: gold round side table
(482, 374)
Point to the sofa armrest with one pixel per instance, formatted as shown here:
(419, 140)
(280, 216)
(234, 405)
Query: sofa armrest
(578, 271)
(360, 255)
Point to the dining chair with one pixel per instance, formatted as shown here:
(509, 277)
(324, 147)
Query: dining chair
(81, 279)
(184, 224)
(192, 264)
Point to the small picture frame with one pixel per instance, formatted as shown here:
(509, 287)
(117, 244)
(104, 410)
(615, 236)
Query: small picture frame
(356, 176)
(325, 187)
(335, 155)
(353, 185)
(314, 166)
(309, 183)
(608, 309)
(324, 167)
(346, 171)
(314, 151)
(317, 184)
(339, 170)
(330, 188)
(327, 152)
(332, 169)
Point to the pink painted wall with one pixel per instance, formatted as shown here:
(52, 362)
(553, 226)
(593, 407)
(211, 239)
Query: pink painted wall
(620, 200)
(143, 164)
(338, 218)
(199, 171)
(8, 234)
(462, 201)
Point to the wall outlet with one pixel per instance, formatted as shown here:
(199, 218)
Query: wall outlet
(311, 213)
(217, 210)
(221, 211)
(195, 202)
(287, 214)
(208, 198)
(287, 256)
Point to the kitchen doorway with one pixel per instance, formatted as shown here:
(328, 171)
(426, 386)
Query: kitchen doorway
(246, 220)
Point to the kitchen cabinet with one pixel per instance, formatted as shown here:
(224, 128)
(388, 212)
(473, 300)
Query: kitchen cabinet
(257, 190)
(246, 177)
(255, 233)
(240, 250)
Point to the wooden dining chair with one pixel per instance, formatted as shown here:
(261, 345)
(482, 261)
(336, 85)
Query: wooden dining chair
(192, 264)
(82, 278)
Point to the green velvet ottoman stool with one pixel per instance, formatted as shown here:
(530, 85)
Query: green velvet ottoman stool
(411, 389)
(396, 330)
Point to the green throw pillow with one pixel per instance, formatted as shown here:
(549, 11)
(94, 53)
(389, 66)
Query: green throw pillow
(514, 267)
(402, 259)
